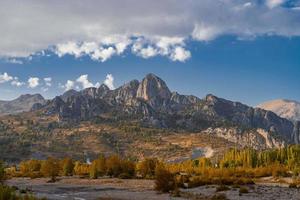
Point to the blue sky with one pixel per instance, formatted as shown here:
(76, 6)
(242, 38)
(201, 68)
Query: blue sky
(232, 54)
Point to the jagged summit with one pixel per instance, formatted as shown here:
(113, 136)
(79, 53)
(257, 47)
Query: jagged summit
(151, 103)
(153, 90)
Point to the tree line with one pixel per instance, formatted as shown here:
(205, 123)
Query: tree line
(235, 167)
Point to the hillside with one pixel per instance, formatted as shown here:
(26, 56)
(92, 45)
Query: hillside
(21, 104)
(140, 119)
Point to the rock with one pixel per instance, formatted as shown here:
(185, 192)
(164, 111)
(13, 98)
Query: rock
(154, 90)
(151, 103)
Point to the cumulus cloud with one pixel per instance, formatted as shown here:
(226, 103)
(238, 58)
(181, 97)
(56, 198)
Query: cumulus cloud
(16, 82)
(180, 54)
(163, 46)
(33, 82)
(89, 27)
(68, 85)
(5, 77)
(109, 81)
(85, 83)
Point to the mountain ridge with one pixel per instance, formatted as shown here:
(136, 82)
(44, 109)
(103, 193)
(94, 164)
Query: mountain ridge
(289, 109)
(151, 103)
(23, 103)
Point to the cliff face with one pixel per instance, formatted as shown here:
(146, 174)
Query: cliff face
(151, 103)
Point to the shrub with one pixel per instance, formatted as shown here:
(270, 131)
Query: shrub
(243, 190)
(146, 168)
(125, 176)
(164, 180)
(9, 193)
(222, 188)
(219, 197)
(2, 172)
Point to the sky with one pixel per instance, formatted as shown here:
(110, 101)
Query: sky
(246, 51)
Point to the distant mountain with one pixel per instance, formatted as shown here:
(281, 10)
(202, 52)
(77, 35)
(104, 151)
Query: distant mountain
(151, 103)
(21, 104)
(284, 108)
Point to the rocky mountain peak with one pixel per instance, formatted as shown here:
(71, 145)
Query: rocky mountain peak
(69, 94)
(153, 90)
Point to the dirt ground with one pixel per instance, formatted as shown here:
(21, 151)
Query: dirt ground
(75, 188)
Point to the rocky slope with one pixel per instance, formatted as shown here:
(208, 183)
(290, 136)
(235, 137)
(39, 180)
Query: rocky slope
(21, 104)
(284, 108)
(152, 104)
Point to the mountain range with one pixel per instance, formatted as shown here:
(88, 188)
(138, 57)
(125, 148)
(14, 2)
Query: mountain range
(149, 103)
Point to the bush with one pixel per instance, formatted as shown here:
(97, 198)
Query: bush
(243, 190)
(125, 176)
(2, 172)
(146, 168)
(9, 193)
(164, 180)
(219, 197)
(222, 188)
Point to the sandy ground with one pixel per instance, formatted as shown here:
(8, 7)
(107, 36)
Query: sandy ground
(119, 189)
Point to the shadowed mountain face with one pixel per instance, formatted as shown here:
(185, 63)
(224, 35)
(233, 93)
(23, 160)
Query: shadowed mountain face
(151, 103)
(21, 104)
(284, 108)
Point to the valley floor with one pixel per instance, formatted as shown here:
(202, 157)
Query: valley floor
(119, 189)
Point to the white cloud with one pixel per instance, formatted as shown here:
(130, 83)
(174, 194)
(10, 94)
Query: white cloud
(274, 3)
(33, 82)
(91, 29)
(5, 77)
(204, 32)
(163, 46)
(147, 52)
(180, 54)
(48, 81)
(85, 83)
(16, 82)
(68, 85)
(95, 51)
(109, 81)
(103, 53)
